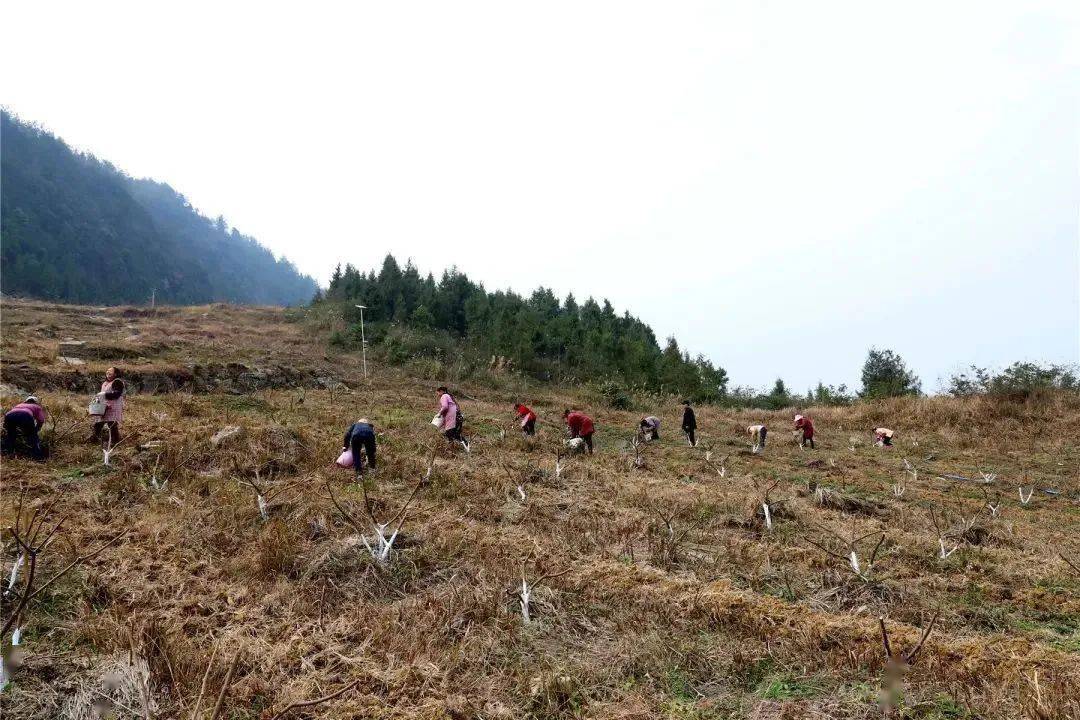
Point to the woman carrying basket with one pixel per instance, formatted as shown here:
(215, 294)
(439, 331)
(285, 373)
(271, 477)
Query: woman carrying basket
(112, 394)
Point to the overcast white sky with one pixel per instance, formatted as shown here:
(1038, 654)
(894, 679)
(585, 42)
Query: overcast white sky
(779, 184)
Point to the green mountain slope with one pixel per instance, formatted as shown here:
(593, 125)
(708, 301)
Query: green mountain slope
(76, 229)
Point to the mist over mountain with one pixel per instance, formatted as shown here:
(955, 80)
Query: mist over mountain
(76, 229)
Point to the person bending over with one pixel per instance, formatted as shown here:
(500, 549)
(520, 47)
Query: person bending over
(807, 426)
(24, 421)
(650, 427)
(360, 439)
(757, 435)
(527, 418)
(581, 426)
(883, 437)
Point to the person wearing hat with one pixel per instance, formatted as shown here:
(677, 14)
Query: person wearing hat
(807, 426)
(360, 438)
(689, 423)
(24, 420)
(650, 427)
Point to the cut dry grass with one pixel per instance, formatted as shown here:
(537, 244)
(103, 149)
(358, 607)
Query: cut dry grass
(669, 593)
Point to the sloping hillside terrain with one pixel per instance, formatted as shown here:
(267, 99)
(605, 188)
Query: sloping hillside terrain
(77, 229)
(659, 585)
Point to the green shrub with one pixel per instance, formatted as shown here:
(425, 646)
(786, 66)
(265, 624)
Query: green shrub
(614, 395)
(1019, 380)
(426, 368)
(403, 345)
(885, 375)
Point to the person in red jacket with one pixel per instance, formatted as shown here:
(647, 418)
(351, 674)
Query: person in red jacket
(581, 426)
(527, 418)
(25, 420)
(807, 426)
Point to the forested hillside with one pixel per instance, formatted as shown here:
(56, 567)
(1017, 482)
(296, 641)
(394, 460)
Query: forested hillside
(75, 229)
(412, 316)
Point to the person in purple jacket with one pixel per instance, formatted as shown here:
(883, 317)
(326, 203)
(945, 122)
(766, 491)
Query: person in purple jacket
(24, 420)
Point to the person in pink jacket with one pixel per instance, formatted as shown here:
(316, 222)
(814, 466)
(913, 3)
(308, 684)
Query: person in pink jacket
(452, 419)
(112, 392)
(24, 420)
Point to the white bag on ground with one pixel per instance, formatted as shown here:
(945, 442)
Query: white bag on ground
(576, 445)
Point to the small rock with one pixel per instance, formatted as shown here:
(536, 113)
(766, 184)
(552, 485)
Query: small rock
(226, 433)
(6, 389)
(328, 382)
(70, 360)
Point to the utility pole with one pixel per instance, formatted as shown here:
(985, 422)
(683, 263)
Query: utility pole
(153, 294)
(363, 340)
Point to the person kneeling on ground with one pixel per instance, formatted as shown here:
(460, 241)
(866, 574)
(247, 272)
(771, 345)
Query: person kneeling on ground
(883, 436)
(581, 426)
(689, 423)
(360, 439)
(112, 392)
(650, 427)
(527, 418)
(25, 421)
(757, 435)
(452, 418)
(807, 426)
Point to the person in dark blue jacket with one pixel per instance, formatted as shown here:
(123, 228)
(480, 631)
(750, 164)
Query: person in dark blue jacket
(360, 438)
(689, 423)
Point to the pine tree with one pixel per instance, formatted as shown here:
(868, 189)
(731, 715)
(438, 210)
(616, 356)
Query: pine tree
(884, 374)
(543, 337)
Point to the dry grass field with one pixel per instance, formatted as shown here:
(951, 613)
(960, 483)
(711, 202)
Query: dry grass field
(658, 586)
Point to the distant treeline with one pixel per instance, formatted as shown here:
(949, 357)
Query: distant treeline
(453, 322)
(1018, 381)
(76, 229)
(885, 375)
(411, 317)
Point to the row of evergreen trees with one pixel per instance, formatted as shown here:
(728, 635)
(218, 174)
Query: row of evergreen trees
(76, 229)
(543, 336)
